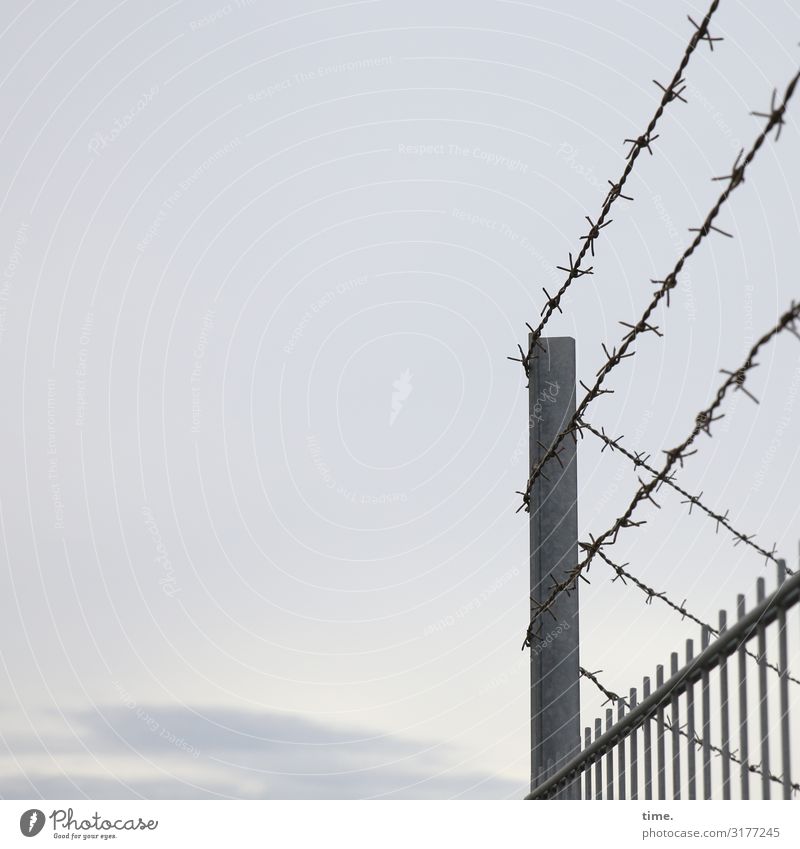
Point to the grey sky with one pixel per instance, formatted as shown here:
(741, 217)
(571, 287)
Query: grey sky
(263, 263)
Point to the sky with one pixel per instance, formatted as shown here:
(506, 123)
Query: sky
(263, 265)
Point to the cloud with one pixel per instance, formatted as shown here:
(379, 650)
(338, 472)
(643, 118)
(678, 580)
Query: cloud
(181, 752)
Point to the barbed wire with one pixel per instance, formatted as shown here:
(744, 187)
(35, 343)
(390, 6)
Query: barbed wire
(698, 741)
(640, 460)
(703, 422)
(613, 359)
(735, 381)
(623, 574)
(617, 355)
(673, 91)
(610, 695)
(731, 755)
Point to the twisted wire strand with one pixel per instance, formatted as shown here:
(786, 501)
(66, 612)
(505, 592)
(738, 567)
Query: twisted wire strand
(775, 120)
(730, 755)
(624, 575)
(698, 741)
(640, 460)
(703, 421)
(673, 91)
(610, 695)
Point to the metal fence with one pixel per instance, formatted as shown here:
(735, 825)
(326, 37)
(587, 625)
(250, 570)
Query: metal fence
(704, 729)
(670, 743)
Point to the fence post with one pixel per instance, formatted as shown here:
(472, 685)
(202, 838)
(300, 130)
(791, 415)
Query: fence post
(555, 671)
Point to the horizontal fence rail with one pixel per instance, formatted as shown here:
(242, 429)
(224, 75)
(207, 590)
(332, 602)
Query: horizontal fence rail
(680, 715)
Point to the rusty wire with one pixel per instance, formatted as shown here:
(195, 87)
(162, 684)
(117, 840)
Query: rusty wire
(730, 755)
(643, 325)
(610, 695)
(698, 741)
(673, 91)
(624, 575)
(735, 380)
(703, 421)
(641, 460)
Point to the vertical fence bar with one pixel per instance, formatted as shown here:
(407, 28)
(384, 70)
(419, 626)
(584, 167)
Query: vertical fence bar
(587, 773)
(724, 720)
(648, 751)
(661, 752)
(783, 665)
(621, 755)
(609, 758)
(705, 640)
(744, 751)
(690, 730)
(598, 764)
(634, 752)
(555, 673)
(762, 696)
(675, 733)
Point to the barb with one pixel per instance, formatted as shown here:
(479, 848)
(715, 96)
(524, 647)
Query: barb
(640, 460)
(775, 114)
(703, 33)
(663, 290)
(610, 695)
(672, 91)
(703, 422)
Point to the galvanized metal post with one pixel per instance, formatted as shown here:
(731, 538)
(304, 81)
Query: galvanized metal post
(555, 670)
